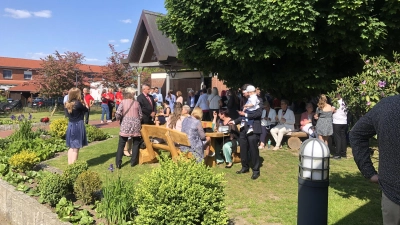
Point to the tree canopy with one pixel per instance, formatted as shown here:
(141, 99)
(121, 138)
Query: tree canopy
(292, 47)
(60, 72)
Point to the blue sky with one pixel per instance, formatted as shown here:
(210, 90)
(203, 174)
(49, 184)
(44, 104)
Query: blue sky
(33, 29)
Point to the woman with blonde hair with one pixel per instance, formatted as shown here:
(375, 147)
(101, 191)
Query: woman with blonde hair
(191, 125)
(129, 114)
(76, 131)
(323, 115)
(176, 118)
(179, 97)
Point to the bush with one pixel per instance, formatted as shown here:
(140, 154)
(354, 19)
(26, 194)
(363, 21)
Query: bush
(72, 172)
(379, 79)
(24, 131)
(116, 206)
(94, 134)
(184, 192)
(86, 186)
(58, 127)
(52, 188)
(24, 161)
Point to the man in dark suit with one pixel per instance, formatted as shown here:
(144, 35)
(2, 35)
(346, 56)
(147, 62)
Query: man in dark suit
(147, 104)
(249, 142)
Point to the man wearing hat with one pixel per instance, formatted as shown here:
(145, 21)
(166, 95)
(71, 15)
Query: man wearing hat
(249, 152)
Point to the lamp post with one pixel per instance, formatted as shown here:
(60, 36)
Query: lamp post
(312, 208)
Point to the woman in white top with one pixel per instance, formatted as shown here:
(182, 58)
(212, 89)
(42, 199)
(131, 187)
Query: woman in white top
(339, 119)
(267, 122)
(286, 120)
(214, 102)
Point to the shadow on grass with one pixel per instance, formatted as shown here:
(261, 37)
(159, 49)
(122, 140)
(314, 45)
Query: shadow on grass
(101, 159)
(350, 185)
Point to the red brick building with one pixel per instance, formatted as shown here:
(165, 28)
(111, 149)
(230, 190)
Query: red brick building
(17, 76)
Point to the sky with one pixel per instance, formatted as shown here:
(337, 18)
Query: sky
(33, 29)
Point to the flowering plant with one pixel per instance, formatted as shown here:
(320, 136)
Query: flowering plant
(379, 79)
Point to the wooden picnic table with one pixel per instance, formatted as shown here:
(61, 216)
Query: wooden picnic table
(210, 161)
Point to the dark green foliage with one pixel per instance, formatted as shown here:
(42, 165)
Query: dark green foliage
(182, 192)
(116, 206)
(95, 134)
(52, 188)
(289, 47)
(86, 186)
(72, 172)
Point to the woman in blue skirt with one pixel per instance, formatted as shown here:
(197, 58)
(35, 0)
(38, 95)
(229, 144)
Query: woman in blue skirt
(76, 131)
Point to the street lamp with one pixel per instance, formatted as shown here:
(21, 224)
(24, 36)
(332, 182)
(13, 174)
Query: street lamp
(76, 77)
(312, 208)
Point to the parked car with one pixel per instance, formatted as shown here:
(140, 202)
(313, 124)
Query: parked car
(9, 100)
(3, 106)
(17, 104)
(38, 102)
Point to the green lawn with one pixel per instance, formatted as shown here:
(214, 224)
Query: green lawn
(271, 199)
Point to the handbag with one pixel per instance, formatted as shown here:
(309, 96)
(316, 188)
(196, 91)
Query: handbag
(122, 117)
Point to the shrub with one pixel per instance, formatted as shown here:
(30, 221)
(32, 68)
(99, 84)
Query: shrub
(94, 134)
(58, 127)
(182, 192)
(24, 131)
(116, 206)
(52, 188)
(72, 172)
(86, 186)
(379, 79)
(24, 161)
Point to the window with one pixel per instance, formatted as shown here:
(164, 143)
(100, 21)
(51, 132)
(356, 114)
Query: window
(28, 75)
(7, 74)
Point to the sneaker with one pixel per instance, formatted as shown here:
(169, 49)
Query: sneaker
(337, 157)
(101, 121)
(109, 121)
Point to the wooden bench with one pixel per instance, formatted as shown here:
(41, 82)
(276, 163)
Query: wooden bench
(172, 140)
(294, 141)
(149, 155)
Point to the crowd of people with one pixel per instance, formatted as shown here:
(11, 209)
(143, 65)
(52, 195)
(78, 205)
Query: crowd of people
(248, 116)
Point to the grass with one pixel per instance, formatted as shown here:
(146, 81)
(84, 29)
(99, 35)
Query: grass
(271, 199)
(95, 114)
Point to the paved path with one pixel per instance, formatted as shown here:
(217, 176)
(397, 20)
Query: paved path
(96, 123)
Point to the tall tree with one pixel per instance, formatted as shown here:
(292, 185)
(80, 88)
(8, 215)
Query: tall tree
(115, 74)
(295, 47)
(60, 72)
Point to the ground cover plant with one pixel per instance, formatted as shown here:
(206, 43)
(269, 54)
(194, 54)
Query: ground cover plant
(271, 199)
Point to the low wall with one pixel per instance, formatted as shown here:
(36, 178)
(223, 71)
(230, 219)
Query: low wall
(21, 209)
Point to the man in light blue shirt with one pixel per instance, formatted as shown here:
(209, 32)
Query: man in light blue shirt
(65, 101)
(158, 98)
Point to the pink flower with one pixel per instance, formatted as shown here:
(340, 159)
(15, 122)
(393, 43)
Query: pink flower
(382, 94)
(364, 82)
(368, 103)
(378, 71)
(381, 84)
(367, 61)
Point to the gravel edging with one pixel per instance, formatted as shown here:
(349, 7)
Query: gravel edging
(21, 209)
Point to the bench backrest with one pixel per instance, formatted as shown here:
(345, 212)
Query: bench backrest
(168, 135)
